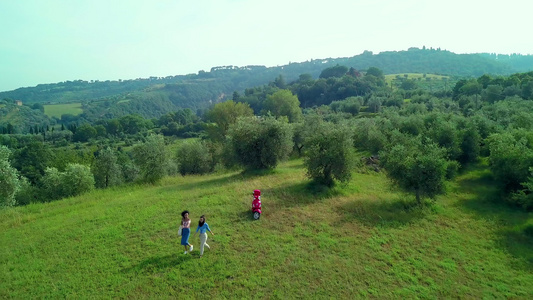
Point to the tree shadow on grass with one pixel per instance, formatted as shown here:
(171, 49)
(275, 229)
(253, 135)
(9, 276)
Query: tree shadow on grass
(158, 264)
(223, 179)
(486, 200)
(392, 213)
(302, 193)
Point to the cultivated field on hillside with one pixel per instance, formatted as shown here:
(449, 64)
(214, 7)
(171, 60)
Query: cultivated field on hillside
(56, 110)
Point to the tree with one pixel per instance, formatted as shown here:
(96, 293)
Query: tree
(113, 126)
(416, 167)
(279, 82)
(76, 180)
(301, 131)
(193, 157)
(100, 130)
(336, 71)
(510, 159)
(329, 154)
(106, 169)
(524, 197)
(32, 160)
(133, 124)
(471, 87)
(9, 179)
(151, 158)
(445, 135)
(374, 104)
(260, 143)
(470, 145)
(492, 93)
(224, 115)
(351, 105)
(283, 103)
(84, 133)
(375, 72)
(408, 84)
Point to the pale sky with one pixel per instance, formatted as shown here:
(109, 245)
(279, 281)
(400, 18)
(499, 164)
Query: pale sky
(49, 41)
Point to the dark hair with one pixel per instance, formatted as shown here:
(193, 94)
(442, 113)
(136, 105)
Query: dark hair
(183, 213)
(200, 223)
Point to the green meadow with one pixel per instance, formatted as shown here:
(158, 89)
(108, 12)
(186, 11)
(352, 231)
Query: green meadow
(56, 110)
(362, 239)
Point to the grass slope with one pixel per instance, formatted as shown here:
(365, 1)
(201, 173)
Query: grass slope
(357, 240)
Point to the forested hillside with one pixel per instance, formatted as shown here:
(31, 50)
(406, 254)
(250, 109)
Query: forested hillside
(226, 79)
(155, 96)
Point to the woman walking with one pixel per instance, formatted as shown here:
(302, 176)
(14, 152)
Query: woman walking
(185, 231)
(203, 228)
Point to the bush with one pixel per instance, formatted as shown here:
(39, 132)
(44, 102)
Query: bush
(524, 197)
(452, 168)
(27, 193)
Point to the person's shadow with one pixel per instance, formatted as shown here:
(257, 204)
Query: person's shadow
(157, 264)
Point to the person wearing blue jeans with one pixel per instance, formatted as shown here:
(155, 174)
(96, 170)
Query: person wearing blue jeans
(203, 228)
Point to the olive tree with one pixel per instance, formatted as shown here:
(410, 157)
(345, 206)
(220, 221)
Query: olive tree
(9, 179)
(193, 157)
(75, 180)
(329, 154)
(417, 167)
(106, 169)
(510, 159)
(151, 157)
(260, 143)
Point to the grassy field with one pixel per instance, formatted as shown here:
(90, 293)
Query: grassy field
(56, 110)
(361, 239)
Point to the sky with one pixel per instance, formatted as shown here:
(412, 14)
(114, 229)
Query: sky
(50, 41)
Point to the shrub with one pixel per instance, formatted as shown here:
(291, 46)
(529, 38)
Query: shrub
(27, 193)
